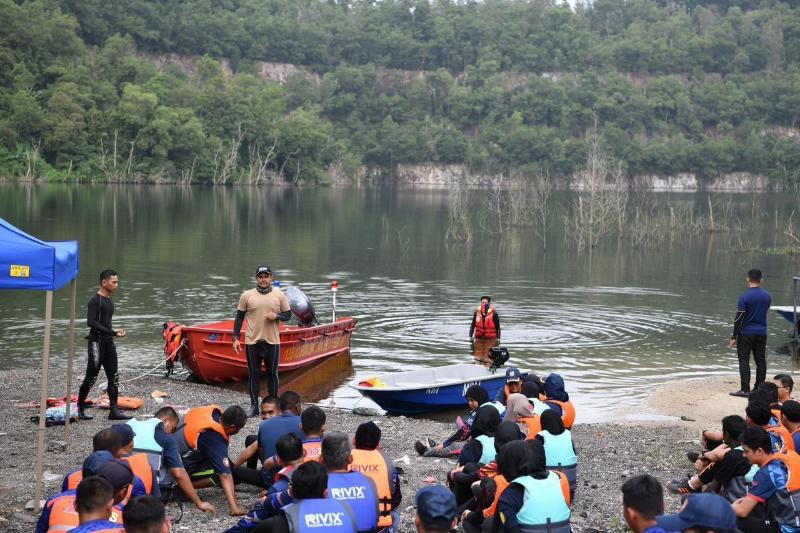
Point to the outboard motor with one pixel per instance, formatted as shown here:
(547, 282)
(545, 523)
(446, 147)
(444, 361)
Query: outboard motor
(499, 356)
(301, 306)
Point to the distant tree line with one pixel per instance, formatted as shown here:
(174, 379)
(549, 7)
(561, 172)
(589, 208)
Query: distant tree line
(504, 86)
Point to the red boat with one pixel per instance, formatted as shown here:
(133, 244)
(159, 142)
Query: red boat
(207, 351)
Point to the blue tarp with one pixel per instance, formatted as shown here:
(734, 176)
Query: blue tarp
(29, 263)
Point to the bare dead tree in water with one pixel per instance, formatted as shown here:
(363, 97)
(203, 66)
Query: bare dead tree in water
(228, 160)
(459, 228)
(600, 205)
(541, 193)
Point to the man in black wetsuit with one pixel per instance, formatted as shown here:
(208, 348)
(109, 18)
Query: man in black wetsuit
(102, 352)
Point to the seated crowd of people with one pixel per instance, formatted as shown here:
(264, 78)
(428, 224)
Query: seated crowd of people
(746, 479)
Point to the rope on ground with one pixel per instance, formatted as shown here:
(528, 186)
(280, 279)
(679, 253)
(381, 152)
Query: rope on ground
(104, 387)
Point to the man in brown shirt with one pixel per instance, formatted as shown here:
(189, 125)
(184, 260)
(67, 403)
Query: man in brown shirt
(263, 306)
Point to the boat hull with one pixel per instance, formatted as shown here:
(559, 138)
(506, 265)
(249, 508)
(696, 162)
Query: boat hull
(208, 351)
(444, 389)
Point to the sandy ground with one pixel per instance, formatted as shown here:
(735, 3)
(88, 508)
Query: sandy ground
(608, 453)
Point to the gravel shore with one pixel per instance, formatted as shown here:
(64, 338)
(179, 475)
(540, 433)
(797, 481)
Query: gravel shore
(608, 453)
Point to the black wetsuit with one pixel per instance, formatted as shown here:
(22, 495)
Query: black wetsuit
(102, 352)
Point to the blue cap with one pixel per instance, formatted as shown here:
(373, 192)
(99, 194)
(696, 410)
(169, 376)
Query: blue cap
(436, 506)
(116, 472)
(93, 463)
(708, 510)
(513, 374)
(125, 431)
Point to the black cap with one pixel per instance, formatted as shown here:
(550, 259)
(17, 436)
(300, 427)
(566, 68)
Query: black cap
(116, 472)
(263, 269)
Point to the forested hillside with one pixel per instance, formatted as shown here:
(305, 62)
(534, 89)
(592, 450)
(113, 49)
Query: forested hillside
(502, 86)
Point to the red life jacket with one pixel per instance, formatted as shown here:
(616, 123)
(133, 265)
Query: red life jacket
(484, 325)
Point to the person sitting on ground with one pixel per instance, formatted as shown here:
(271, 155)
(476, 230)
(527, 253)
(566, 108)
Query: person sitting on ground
(485, 482)
(478, 451)
(701, 512)
(139, 462)
(312, 424)
(533, 499)
(94, 501)
(642, 502)
(436, 510)
(559, 448)
(203, 444)
(91, 466)
(558, 399)
(775, 484)
(374, 463)
(725, 475)
(767, 393)
(758, 414)
(145, 514)
(532, 390)
(268, 409)
(311, 504)
(790, 418)
(154, 438)
(290, 454)
(105, 440)
(270, 430)
(520, 411)
(513, 386)
(344, 484)
(476, 397)
(785, 385)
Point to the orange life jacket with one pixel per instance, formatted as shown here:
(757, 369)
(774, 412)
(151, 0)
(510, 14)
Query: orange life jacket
(141, 467)
(534, 424)
(502, 485)
(788, 442)
(63, 515)
(313, 450)
(199, 419)
(173, 336)
(373, 463)
(74, 478)
(792, 462)
(484, 325)
(567, 412)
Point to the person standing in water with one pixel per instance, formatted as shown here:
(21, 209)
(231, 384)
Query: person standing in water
(750, 332)
(102, 351)
(263, 307)
(485, 321)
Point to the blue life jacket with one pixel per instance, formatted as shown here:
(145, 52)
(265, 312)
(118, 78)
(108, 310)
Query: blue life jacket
(539, 406)
(145, 430)
(558, 449)
(497, 405)
(322, 514)
(360, 492)
(488, 454)
(544, 505)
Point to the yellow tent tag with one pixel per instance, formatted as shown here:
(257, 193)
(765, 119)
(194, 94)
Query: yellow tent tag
(20, 271)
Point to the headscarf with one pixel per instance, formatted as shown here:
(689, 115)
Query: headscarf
(514, 460)
(538, 460)
(486, 421)
(530, 389)
(506, 432)
(554, 388)
(552, 422)
(518, 407)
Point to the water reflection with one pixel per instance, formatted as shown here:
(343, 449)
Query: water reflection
(614, 322)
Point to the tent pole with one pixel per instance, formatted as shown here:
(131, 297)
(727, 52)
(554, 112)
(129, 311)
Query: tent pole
(70, 356)
(48, 319)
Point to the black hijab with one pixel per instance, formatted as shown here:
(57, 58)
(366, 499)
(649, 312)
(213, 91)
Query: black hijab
(514, 460)
(552, 422)
(538, 461)
(486, 421)
(506, 432)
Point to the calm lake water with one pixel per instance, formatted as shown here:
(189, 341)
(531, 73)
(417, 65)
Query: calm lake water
(615, 323)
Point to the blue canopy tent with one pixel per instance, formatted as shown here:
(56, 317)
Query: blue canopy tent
(27, 263)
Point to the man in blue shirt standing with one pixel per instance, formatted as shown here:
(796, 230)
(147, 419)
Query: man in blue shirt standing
(750, 332)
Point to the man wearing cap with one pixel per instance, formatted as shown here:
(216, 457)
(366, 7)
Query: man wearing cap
(139, 463)
(436, 510)
(263, 306)
(513, 385)
(706, 511)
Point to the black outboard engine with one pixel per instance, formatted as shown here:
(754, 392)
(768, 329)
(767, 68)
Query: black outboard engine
(499, 356)
(301, 307)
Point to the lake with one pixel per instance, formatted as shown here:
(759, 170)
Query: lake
(615, 322)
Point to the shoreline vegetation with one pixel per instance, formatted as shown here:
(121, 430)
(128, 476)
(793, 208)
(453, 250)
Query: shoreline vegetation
(511, 88)
(608, 452)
